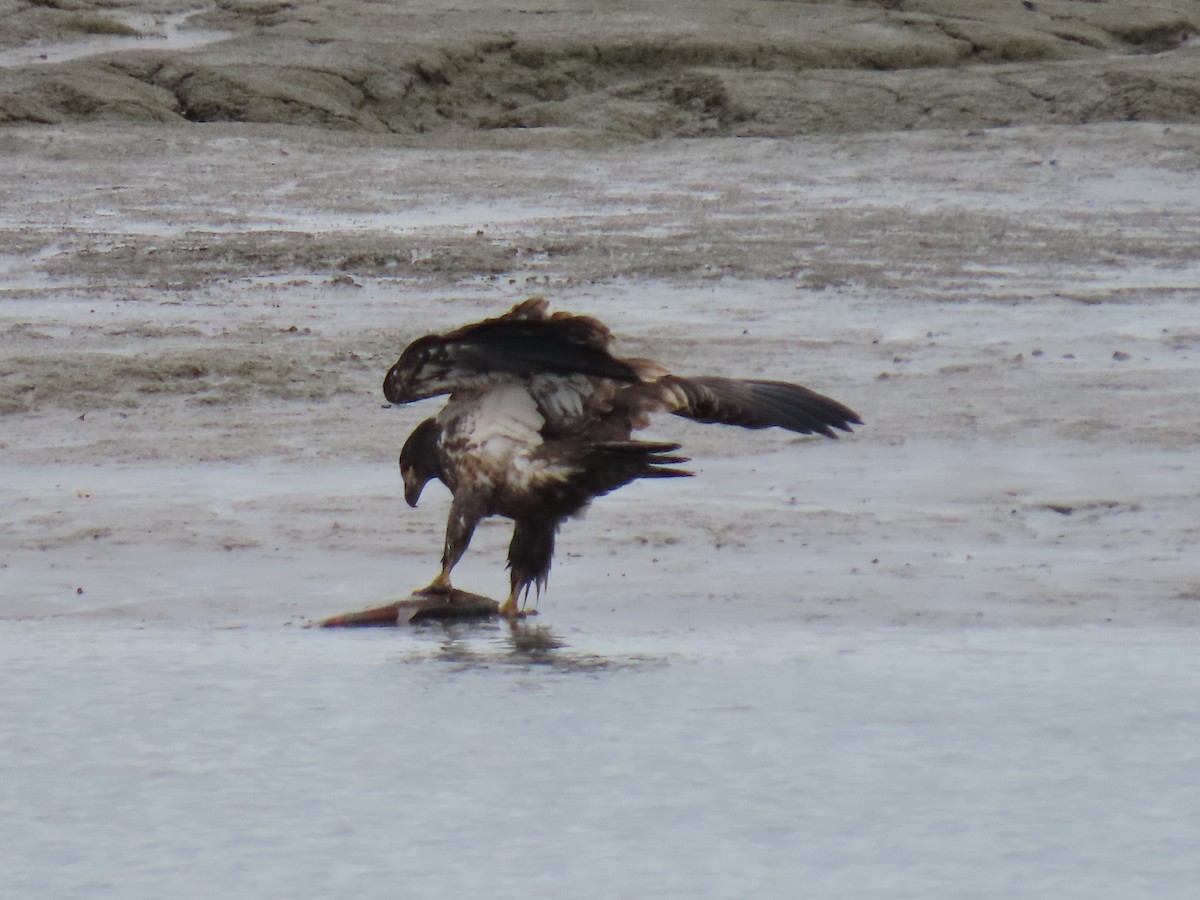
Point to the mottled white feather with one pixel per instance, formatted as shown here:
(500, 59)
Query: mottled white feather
(563, 399)
(492, 432)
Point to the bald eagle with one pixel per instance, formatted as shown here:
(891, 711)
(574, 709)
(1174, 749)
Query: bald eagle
(540, 421)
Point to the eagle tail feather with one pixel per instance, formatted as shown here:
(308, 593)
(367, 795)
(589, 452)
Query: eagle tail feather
(609, 465)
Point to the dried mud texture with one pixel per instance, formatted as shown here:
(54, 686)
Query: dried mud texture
(629, 71)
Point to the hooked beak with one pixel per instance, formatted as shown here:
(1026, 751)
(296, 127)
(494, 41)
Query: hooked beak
(413, 486)
(394, 388)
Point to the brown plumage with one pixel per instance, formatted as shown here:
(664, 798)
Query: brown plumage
(540, 420)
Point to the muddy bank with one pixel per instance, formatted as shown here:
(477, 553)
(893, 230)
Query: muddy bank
(683, 69)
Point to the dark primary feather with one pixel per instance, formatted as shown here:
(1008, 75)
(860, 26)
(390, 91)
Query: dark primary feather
(528, 339)
(536, 348)
(759, 404)
(513, 344)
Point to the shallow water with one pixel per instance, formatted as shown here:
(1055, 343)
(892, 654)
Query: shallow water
(167, 32)
(471, 762)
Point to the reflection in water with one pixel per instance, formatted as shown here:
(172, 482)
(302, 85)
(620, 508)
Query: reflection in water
(484, 645)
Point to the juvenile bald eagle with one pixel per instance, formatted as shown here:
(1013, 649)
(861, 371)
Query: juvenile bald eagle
(540, 422)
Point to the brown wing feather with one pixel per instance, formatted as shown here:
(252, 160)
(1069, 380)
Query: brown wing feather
(524, 341)
(753, 404)
(532, 318)
(528, 338)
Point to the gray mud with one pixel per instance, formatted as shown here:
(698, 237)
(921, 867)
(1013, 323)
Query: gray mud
(628, 71)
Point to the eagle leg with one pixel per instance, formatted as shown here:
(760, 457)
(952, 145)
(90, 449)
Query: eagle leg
(511, 610)
(460, 528)
(529, 555)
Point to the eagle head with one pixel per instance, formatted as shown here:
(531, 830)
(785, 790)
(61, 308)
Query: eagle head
(420, 461)
(423, 370)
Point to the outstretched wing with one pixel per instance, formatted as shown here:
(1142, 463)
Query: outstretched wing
(750, 404)
(524, 341)
(574, 378)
